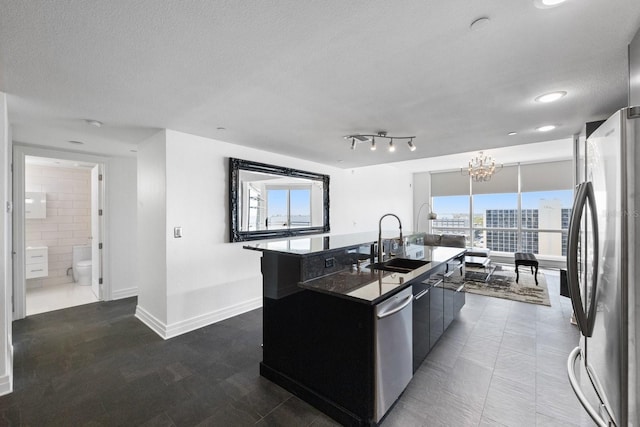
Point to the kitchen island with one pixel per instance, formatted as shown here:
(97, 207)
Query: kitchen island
(339, 334)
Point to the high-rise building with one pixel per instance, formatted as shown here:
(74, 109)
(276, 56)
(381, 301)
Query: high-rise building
(507, 241)
(549, 216)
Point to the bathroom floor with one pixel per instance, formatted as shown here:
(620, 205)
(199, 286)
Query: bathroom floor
(56, 297)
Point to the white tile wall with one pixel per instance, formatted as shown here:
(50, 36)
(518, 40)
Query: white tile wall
(68, 220)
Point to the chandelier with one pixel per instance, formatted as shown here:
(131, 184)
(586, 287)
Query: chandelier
(481, 168)
(381, 136)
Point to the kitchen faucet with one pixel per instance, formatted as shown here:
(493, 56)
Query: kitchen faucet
(380, 234)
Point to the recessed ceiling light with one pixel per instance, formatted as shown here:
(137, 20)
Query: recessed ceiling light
(95, 123)
(76, 142)
(134, 151)
(546, 128)
(479, 23)
(221, 128)
(512, 133)
(550, 97)
(546, 4)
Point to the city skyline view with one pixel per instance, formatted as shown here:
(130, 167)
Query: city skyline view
(496, 215)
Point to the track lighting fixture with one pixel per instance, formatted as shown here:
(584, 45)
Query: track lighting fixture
(356, 138)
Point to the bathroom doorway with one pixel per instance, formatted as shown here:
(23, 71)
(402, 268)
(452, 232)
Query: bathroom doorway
(58, 231)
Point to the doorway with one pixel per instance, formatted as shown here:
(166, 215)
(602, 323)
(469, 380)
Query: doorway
(57, 230)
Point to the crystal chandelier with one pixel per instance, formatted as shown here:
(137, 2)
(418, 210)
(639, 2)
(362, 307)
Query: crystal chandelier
(481, 168)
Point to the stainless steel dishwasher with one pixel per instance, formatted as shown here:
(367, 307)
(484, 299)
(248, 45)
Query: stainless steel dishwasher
(394, 349)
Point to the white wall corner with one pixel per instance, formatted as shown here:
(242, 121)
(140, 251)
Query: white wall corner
(152, 322)
(6, 275)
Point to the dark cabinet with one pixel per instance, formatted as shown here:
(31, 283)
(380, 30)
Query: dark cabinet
(452, 269)
(421, 310)
(458, 301)
(454, 297)
(447, 311)
(436, 313)
(324, 345)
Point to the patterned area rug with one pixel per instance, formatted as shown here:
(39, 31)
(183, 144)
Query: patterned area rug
(502, 284)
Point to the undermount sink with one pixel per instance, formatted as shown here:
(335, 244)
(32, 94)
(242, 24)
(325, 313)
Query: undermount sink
(399, 265)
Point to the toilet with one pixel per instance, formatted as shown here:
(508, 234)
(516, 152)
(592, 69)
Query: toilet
(82, 265)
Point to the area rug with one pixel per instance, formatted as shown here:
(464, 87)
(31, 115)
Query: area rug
(502, 284)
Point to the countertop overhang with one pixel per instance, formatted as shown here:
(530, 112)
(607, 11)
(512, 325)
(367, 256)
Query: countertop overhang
(366, 285)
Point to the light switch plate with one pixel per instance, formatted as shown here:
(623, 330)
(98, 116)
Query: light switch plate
(177, 232)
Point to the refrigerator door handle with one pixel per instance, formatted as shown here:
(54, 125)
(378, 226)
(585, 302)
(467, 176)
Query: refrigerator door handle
(584, 196)
(571, 363)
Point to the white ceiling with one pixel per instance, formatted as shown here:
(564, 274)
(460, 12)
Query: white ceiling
(294, 77)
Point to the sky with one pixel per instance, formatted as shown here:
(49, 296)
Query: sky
(300, 202)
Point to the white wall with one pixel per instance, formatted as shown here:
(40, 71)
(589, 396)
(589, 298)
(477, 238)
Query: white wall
(359, 197)
(207, 278)
(151, 238)
(6, 315)
(122, 207)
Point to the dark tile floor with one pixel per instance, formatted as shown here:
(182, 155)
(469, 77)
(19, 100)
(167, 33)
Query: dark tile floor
(501, 363)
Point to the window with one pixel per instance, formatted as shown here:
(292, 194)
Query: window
(524, 208)
(495, 211)
(288, 207)
(547, 190)
(450, 199)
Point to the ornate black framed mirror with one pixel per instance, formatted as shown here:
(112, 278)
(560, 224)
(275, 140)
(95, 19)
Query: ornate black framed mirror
(267, 201)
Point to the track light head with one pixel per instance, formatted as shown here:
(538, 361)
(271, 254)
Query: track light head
(411, 146)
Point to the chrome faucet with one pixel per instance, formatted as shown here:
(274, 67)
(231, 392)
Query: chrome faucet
(380, 234)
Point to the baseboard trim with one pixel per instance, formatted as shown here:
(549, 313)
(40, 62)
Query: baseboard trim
(6, 385)
(197, 322)
(124, 293)
(173, 330)
(6, 381)
(151, 321)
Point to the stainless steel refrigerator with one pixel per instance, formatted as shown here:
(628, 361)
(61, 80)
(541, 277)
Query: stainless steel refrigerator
(603, 272)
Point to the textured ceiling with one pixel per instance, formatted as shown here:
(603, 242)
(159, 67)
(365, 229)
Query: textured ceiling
(294, 77)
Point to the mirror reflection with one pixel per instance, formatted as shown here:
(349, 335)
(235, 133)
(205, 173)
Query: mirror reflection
(270, 201)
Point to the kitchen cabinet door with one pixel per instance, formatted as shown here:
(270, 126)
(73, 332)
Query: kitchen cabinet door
(436, 314)
(421, 309)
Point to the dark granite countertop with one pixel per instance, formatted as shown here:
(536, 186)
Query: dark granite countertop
(372, 286)
(315, 244)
